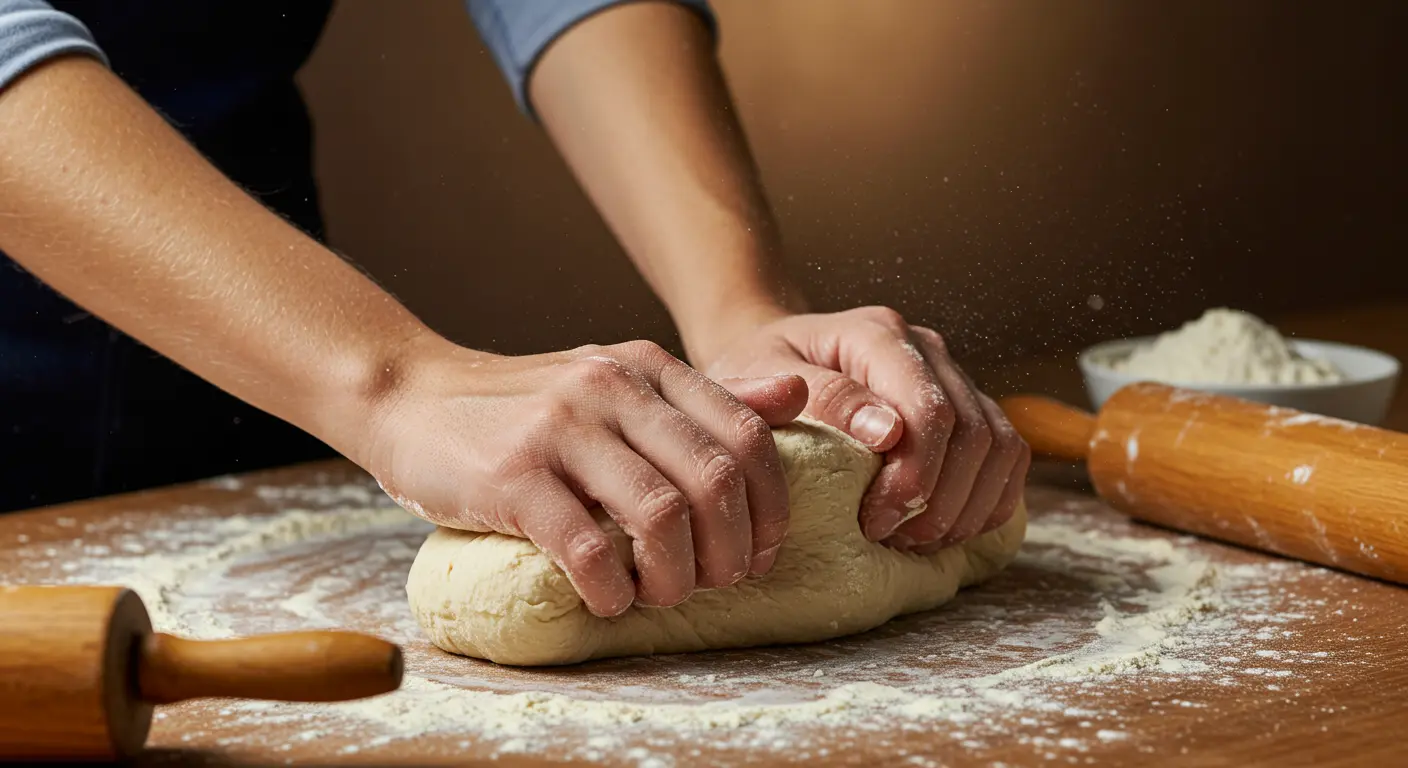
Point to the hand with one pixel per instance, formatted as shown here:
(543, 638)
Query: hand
(525, 445)
(954, 467)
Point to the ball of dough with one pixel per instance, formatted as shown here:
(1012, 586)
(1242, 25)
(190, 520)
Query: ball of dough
(500, 598)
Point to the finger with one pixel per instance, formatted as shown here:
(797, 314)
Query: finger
(678, 445)
(1016, 488)
(880, 354)
(992, 480)
(561, 527)
(778, 399)
(714, 487)
(1013, 494)
(742, 484)
(967, 449)
(647, 507)
(839, 400)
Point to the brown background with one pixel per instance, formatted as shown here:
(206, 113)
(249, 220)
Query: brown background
(984, 166)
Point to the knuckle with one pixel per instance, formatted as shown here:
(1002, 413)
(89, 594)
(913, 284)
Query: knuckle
(643, 349)
(517, 470)
(599, 371)
(549, 415)
(512, 459)
(977, 435)
(540, 429)
(941, 408)
(662, 509)
(936, 408)
(936, 342)
(502, 516)
(945, 416)
(887, 317)
(834, 394)
(753, 432)
(588, 550)
(1005, 438)
(721, 475)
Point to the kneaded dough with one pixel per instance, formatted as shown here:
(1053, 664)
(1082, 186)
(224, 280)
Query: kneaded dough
(500, 598)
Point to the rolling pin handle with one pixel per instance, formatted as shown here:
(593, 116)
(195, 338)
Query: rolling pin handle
(1052, 428)
(296, 666)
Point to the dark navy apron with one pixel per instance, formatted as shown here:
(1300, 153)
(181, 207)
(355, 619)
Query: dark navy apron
(86, 411)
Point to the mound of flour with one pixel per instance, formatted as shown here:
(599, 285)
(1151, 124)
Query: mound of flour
(1226, 346)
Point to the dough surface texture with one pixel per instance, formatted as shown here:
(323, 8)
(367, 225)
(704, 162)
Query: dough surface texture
(500, 598)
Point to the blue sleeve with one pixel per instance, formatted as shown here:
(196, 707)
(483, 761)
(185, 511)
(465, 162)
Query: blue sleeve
(518, 31)
(32, 32)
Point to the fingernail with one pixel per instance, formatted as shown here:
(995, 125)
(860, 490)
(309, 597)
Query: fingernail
(872, 424)
(914, 508)
(883, 523)
(763, 561)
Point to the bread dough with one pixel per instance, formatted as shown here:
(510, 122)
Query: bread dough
(500, 598)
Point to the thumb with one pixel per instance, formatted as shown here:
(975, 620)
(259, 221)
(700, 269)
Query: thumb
(846, 404)
(778, 399)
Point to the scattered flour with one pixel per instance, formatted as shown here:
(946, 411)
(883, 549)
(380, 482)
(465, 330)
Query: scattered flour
(1092, 603)
(1225, 346)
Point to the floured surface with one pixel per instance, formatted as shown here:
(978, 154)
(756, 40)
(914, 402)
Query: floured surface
(1104, 641)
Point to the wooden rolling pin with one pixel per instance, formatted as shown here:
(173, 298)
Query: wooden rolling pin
(1274, 479)
(80, 669)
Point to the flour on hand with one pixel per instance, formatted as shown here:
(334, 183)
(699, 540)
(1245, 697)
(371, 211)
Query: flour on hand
(500, 598)
(1225, 346)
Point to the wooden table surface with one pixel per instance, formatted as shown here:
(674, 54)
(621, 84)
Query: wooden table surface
(1092, 650)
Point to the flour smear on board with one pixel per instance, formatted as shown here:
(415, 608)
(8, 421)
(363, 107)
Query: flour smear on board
(1092, 603)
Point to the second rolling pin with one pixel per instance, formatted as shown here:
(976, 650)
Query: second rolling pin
(1275, 479)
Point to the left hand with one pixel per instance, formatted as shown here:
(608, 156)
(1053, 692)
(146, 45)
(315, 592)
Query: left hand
(954, 468)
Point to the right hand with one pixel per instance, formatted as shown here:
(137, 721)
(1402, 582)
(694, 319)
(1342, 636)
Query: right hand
(525, 445)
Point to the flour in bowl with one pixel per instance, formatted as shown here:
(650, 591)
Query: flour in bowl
(1226, 346)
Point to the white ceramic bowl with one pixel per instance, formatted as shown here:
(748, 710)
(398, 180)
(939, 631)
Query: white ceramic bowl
(1364, 396)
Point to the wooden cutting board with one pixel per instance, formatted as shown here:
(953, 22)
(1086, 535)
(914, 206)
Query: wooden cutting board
(1299, 664)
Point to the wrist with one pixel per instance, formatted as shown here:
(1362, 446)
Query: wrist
(711, 329)
(359, 391)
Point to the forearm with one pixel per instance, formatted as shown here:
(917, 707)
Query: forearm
(106, 203)
(634, 99)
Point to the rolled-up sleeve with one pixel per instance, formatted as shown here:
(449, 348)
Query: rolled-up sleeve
(32, 32)
(518, 31)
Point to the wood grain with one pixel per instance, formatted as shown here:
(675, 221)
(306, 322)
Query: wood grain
(1290, 483)
(294, 666)
(65, 667)
(81, 669)
(1053, 429)
(1317, 489)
